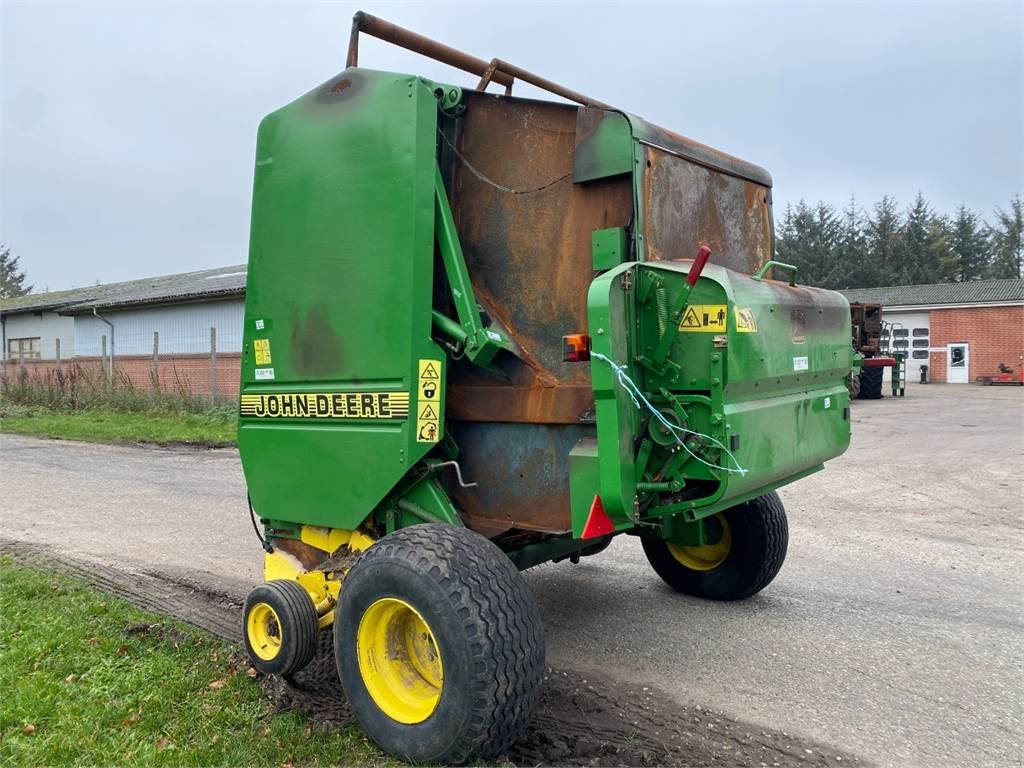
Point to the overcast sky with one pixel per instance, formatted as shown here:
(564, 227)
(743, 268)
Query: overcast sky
(128, 130)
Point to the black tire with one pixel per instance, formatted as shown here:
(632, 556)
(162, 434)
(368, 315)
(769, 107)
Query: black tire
(871, 383)
(296, 622)
(853, 385)
(760, 537)
(487, 630)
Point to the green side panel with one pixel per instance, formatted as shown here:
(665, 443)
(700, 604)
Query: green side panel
(338, 300)
(604, 145)
(610, 317)
(773, 370)
(608, 247)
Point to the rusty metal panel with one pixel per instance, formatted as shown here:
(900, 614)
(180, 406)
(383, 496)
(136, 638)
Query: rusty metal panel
(522, 471)
(686, 205)
(528, 252)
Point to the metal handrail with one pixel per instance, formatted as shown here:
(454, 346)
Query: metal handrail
(497, 71)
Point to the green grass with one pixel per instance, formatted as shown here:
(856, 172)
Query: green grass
(78, 689)
(216, 427)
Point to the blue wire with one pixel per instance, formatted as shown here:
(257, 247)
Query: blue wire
(638, 397)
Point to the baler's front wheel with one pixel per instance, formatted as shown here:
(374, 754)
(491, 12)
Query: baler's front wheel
(280, 627)
(746, 550)
(439, 646)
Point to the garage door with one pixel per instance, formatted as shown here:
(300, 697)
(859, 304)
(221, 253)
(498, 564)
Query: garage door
(907, 332)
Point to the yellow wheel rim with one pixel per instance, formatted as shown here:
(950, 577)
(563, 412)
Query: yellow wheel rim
(709, 556)
(264, 631)
(399, 660)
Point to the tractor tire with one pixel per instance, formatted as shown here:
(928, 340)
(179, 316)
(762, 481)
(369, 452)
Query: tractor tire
(871, 383)
(749, 551)
(439, 646)
(853, 385)
(280, 627)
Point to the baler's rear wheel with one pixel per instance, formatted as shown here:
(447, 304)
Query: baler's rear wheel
(439, 646)
(746, 550)
(280, 626)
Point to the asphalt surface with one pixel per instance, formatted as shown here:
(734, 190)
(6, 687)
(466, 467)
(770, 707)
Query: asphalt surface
(894, 631)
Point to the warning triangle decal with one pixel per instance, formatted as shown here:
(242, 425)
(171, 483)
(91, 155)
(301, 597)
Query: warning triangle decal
(430, 372)
(690, 319)
(428, 413)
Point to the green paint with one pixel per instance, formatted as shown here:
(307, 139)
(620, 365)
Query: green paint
(342, 225)
(609, 247)
(606, 151)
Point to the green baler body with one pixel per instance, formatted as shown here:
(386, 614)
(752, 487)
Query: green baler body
(354, 286)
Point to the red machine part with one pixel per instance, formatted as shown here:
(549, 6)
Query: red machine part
(879, 362)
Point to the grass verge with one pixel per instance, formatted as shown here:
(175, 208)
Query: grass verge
(213, 428)
(89, 680)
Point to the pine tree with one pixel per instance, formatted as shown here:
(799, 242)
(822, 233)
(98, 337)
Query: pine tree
(807, 239)
(1007, 241)
(940, 251)
(851, 249)
(916, 259)
(882, 234)
(12, 279)
(969, 247)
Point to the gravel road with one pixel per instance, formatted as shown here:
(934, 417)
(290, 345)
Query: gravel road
(894, 632)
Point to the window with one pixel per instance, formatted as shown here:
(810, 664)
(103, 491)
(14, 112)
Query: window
(920, 354)
(900, 332)
(920, 331)
(900, 344)
(885, 333)
(23, 349)
(920, 343)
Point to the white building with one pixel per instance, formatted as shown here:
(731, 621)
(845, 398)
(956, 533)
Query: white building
(123, 317)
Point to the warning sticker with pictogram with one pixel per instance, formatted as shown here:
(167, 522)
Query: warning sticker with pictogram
(428, 405)
(261, 347)
(705, 318)
(745, 322)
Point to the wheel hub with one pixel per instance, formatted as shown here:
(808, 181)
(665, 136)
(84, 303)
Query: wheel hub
(399, 660)
(264, 630)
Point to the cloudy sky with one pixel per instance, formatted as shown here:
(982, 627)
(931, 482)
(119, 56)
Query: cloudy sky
(128, 129)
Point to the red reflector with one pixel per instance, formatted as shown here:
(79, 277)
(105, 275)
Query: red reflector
(598, 522)
(576, 348)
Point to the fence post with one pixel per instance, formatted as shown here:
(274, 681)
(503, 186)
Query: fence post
(213, 365)
(154, 373)
(103, 358)
(58, 354)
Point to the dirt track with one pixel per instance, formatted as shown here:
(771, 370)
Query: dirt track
(580, 721)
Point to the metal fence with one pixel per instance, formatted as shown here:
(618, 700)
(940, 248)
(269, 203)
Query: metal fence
(197, 363)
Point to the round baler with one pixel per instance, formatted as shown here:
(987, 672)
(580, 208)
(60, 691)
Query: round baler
(483, 333)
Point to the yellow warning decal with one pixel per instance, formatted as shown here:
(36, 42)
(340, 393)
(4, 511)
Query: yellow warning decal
(262, 349)
(745, 322)
(327, 405)
(428, 402)
(705, 318)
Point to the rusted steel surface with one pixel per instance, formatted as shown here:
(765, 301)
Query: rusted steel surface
(496, 70)
(692, 150)
(529, 255)
(687, 205)
(535, 495)
(563, 403)
(310, 557)
(526, 76)
(404, 38)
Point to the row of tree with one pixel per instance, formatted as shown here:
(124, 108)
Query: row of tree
(853, 248)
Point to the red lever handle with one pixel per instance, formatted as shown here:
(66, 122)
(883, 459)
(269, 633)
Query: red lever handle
(703, 253)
